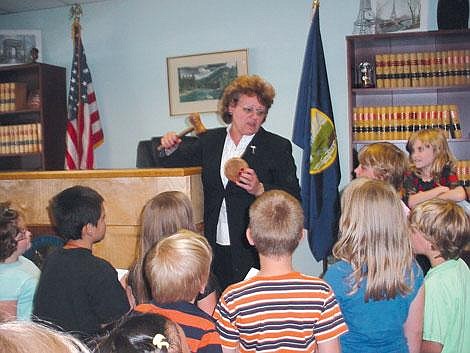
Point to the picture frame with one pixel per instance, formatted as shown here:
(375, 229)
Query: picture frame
(16, 45)
(400, 15)
(196, 82)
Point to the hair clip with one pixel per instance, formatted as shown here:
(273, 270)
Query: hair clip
(159, 341)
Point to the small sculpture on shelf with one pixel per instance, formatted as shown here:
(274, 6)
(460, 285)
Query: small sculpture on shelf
(365, 68)
(33, 55)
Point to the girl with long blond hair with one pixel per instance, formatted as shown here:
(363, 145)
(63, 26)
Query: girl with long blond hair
(432, 169)
(376, 281)
(162, 216)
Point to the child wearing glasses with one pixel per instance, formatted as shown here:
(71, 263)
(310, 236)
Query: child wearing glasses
(18, 275)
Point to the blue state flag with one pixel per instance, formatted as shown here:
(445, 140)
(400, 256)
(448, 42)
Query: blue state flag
(314, 132)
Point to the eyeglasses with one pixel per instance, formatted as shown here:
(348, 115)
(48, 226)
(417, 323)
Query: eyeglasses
(250, 110)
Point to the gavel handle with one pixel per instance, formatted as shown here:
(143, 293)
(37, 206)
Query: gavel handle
(180, 135)
(185, 131)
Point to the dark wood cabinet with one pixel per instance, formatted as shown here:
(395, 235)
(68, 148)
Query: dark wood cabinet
(442, 83)
(32, 132)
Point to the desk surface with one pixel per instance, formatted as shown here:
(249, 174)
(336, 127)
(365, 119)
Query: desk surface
(100, 173)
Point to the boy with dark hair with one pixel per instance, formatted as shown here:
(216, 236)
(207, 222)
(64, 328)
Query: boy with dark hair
(177, 268)
(77, 291)
(440, 231)
(278, 309)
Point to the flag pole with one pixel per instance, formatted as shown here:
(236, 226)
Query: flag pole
(75, 13)
(315, 6)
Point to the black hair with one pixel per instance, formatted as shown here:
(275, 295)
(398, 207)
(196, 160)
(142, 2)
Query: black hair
(135, 334)
(8, 230)
(74, 208)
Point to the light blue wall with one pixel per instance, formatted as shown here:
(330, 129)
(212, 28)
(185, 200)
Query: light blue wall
(127, 43)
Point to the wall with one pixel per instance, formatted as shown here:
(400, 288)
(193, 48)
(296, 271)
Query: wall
(127, 43)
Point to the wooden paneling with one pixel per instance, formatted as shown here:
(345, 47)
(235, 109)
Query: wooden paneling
(125, 193)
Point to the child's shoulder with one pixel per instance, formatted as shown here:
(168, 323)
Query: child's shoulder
(292, 281)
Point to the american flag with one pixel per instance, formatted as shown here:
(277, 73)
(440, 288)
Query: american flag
(84, 131)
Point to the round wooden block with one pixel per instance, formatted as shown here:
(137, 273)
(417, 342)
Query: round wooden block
(232, 168)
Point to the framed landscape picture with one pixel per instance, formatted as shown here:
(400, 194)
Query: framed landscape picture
(16, 45)
(196, 82)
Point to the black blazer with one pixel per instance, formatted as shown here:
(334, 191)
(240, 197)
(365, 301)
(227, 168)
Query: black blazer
(273, 162)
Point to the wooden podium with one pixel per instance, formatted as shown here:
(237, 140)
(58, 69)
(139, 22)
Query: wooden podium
(125, 192)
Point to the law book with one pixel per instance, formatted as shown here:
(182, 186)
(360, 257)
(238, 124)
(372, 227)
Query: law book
(2, 97)
(406, 70)
(397, 122)
(2, 139)
(414, 69)
(393, 70)
(460, 79)
(467, 66)
(446, 67)
(455, 128)
(367, 126)
(379, 79)
(386, 70)
(39, 136)
(421, 69)
(399, 68)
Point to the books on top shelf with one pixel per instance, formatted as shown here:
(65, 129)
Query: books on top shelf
(20, 138)
(423, 69)
(398, 122)
(12, 96)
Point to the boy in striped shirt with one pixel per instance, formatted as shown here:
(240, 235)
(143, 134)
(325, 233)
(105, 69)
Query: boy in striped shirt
(278, 310)
(177, 268)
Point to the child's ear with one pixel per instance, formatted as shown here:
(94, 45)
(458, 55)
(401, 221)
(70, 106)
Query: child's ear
(248, 237)
(87, 230)
(304, 234)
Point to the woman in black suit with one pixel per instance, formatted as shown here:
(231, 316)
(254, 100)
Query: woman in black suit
(244, 106)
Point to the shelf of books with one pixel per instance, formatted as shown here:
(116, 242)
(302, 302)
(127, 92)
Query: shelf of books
(417, 80)
(32, 117)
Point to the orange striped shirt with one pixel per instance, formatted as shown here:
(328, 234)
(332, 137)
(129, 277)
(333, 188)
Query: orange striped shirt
(198, 326)
(287, 313)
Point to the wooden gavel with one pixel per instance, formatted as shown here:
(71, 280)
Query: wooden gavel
(196, 125)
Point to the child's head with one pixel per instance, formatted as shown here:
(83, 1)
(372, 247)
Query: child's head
(443, 224)
(163, 215)
(14, 237)
(29, 337)
(74, 208)
(276, 223)
(177, 267)
(429, 150)
(383, 161)
(373, 238)
(144, 333)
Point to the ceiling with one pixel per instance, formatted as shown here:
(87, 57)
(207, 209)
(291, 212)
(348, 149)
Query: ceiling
(15, 6)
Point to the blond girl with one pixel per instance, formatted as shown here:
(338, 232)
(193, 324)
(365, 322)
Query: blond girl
(162, 216)
(431, 173)
(376, 281)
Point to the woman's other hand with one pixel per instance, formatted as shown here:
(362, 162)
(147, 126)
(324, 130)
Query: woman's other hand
(249, 181)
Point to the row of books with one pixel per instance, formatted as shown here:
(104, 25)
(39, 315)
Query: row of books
(423, 69)
(463, 172)
(399, 122)
(12, 96)
(22, 138)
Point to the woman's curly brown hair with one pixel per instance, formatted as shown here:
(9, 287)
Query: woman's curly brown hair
(250, 86)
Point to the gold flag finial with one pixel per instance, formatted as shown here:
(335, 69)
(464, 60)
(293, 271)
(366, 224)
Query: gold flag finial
(75, 14)
(315, 4)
